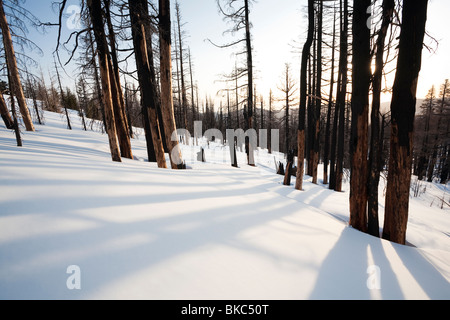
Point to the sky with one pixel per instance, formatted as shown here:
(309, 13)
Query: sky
(277, 25)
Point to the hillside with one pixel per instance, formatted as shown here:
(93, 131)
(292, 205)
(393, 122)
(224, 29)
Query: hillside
(134, 231)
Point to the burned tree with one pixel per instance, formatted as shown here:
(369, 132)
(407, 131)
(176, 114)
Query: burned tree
(403, 108)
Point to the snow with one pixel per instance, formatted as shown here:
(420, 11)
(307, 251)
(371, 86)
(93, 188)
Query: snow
(209, 232)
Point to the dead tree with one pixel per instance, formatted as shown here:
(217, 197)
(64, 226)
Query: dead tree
(147, 81)
(303, 96)
(361, 76)
(403, 108)
(96, 14)
(16, 85)
(376, 138)
(166, 85)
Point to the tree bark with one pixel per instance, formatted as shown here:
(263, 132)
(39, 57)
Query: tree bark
(96, 15)
(318, 97)
(360, 115)
(248, 44)
(373, 227)
(184, 102)
(116, 90)
(341, 98)
(403, 108)
(166, 85)
(326, 155)
(303, 90)
(147, 83)
(16, 86)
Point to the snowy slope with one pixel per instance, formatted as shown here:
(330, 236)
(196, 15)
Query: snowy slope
(212, 232)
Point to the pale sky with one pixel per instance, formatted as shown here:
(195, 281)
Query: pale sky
(276, 24)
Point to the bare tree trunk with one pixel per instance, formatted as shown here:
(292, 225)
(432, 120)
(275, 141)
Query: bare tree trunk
(403, 108)
(96, 14)
(138, 10)
(116, 90)
(97, 80)
(360, 115)
(248, 44)
(61, 92)
(166, 85)
(341, 98)
(16, 86)
(318, 95)
(373, 227)
(183, 83)
(303, 90)
(326, 155)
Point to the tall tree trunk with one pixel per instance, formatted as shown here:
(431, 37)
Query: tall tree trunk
(116, 90)
(166, 85)
(341, 99)
(303, 90)
(360, 115)
(318, 95)
(96, 14)
(184, 102)
(403, 108)
(97, 80)
(326, 154)
(139, 16)
(373, 227)
(248, 44)
(16, 86)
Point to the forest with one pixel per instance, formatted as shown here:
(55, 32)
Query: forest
(135, 72)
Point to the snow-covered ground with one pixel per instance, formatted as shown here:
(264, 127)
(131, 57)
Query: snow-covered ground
(75, 225)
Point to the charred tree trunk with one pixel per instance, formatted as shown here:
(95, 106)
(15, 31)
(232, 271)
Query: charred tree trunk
(166, 85)
(248, 44)
(326, 154)
(97, 80)
(16, 86)
(116, 90)
(303, 91)
(318, 96)
(373, 227)
(403, 108)
(341, 98)
(138, 16)
(96, 14)
(184, 103)
(360, 115)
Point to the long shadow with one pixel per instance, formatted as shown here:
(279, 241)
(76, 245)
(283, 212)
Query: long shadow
(342, 275)
(424, 272)
(101, 267)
